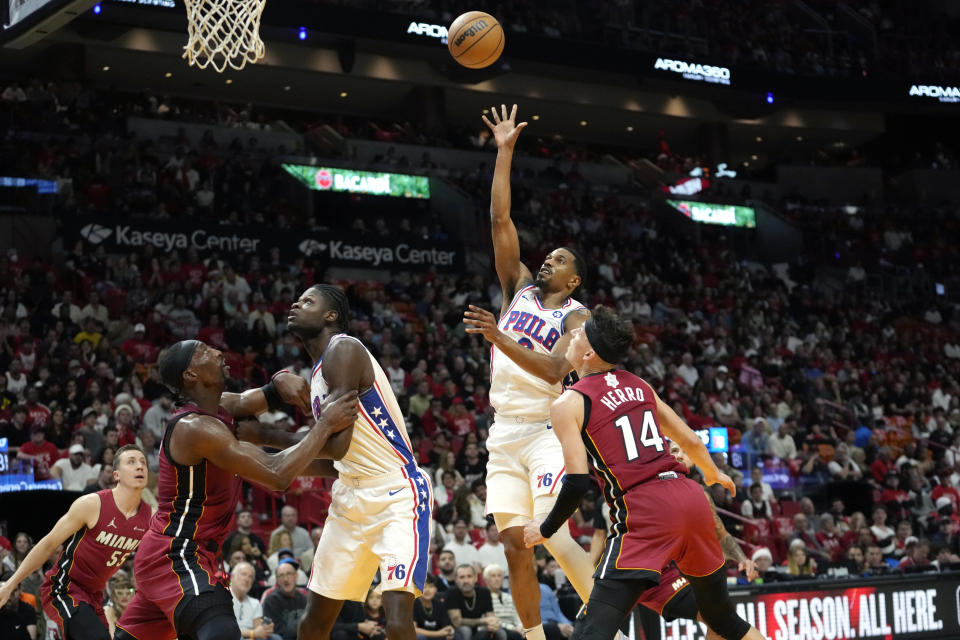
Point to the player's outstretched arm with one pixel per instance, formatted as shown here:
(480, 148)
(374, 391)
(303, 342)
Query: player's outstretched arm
(285, 386)
(211, 440)
(566, 416)
(550, 367)
(506, 244)
(677, 430)
(84, 512)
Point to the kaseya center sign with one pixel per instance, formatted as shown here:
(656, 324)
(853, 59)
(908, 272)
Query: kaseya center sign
(334, 248)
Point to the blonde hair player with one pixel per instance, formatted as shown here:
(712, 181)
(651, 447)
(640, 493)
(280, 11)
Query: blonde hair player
(527, 366)
(100, 531)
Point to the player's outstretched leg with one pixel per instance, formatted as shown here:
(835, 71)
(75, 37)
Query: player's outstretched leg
(398, 606)
(717, 609)
(523, 580)
(610, 602)
(318, 618)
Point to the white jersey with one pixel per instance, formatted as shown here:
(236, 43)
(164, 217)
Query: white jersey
(513, 391)
(380, 443)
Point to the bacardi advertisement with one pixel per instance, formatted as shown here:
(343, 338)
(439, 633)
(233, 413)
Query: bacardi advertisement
(886, 609)
(326, 248)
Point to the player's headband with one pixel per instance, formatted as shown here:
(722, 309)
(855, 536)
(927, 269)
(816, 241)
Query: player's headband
(606, 351)
(175, 361)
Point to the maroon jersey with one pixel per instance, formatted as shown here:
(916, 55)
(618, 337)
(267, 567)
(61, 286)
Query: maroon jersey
(196, 501)
(621, 432)
(657, 514)
(90, 557)
(179, 557)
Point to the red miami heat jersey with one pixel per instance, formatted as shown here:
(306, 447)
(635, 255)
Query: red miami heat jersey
(621, 432)
(196, 502)
(92, 555)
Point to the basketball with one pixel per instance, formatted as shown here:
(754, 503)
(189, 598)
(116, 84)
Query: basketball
(475, 39)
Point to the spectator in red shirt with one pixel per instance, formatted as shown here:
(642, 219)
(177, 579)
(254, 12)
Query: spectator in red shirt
(882, 465)
(42, 453)
(944, 488)
(138, 348)
(830, 538)
(435, 418)
(123, 415)
(917, 554)
(37, 414)
(894, 498)
(461, 421)
(213, 334)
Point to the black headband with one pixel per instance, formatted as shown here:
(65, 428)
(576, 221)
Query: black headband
(606, 351)
(175, 361)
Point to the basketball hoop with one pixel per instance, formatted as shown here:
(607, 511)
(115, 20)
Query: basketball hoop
(223, 33)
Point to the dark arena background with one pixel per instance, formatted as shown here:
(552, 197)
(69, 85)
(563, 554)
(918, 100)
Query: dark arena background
(768, 189)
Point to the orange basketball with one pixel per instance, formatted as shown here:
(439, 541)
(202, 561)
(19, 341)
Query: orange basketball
(475, 39)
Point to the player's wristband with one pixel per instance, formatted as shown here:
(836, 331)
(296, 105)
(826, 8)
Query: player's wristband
(575, 486)
(274, 401)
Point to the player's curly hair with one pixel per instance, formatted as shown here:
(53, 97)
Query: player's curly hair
(338, 302)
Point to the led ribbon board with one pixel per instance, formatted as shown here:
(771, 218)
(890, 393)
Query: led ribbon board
(397, 185)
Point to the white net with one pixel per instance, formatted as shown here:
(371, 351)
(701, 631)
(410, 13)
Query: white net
(223, 33)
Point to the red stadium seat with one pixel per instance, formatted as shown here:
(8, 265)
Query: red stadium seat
(789, 507)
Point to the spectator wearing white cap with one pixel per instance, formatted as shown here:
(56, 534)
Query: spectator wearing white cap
(138, 348)
(74, 472)
(763, 561)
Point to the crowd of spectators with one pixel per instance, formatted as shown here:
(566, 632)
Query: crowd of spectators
(832, 388)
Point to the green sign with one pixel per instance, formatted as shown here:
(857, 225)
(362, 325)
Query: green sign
(398, 185)
(726, 214)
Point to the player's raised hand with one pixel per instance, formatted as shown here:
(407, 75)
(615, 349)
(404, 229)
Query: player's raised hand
(504, 127)
(340, 413)
(531, 534)
(481, 321)
(721, 479)
(294, 390)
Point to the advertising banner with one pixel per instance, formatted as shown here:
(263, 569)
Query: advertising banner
(397, 185)
(711, 213)
(330, 248)
(908, 607)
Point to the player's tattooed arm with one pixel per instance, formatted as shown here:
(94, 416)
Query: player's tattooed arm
(512, 272)
(731, 548)
(551, 368)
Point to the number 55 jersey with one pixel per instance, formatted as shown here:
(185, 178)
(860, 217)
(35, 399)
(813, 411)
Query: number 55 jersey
(89, 558)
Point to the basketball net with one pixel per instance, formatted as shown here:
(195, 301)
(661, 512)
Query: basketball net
(223, 33)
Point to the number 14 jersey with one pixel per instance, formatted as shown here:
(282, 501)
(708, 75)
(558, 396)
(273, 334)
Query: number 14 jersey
(621, 432)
